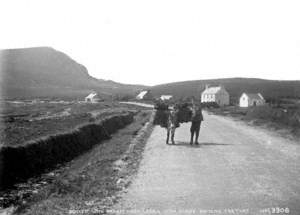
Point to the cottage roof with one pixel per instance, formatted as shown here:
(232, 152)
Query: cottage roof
(254, 96)
(91, 95)
(141, 94)
(212, 90)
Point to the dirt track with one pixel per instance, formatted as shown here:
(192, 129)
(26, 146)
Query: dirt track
(246, 169)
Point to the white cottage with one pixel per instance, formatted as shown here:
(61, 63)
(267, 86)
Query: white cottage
(165, 97)
(141, 95)
(93, 97)
(144, 95)
(251, 99)
(215, 94)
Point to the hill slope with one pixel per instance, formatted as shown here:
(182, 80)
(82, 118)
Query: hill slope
(45, 72)
(235, 87)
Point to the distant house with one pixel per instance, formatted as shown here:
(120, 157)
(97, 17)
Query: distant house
(165, 97)
(251, 99)
(217, 94)
(141, 95)
(144, 95)
(93, 98)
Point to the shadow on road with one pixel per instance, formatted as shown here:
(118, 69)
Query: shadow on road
(187, 144)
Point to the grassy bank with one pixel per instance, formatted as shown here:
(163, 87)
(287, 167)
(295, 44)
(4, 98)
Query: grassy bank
(19, 163)
(275, 117)
(93, 180)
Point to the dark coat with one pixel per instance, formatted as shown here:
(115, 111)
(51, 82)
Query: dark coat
(197, 115)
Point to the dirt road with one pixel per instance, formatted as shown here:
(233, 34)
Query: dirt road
(236, 169)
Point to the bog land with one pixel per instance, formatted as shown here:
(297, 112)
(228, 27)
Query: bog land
(37, 137)
(22, 122)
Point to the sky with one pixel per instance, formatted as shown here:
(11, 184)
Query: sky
(154, 42)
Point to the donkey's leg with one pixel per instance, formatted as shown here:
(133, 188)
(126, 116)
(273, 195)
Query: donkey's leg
(168, 134)
(173, 134)
(197, 133)
(192, 137)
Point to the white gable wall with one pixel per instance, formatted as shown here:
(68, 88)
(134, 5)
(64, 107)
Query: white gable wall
(244, 100)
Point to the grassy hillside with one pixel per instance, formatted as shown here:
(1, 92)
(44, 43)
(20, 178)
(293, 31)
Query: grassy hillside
(235, 86)
(46, 72)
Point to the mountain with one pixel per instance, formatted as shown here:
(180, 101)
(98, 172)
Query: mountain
(46, 72)
(235, 86)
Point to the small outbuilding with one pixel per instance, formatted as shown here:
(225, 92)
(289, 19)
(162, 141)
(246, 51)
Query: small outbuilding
(217, 94)
(251, 99)
(93, 98)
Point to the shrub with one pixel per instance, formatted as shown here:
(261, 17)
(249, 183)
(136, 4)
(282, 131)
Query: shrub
(210, 105)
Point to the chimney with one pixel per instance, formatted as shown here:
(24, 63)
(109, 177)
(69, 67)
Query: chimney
(206, 86)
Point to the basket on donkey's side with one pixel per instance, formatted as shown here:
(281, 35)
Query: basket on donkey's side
(183, 112)
(161, 118)
(161, 115)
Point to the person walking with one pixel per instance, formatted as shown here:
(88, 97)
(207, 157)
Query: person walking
(196, 119)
